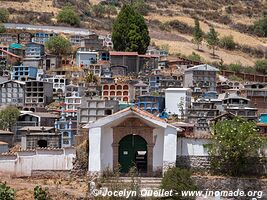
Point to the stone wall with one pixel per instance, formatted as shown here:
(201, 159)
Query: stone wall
(202, 163)
(193, 162)
(213, 183)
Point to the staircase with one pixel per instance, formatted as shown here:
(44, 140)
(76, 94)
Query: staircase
(143, 182)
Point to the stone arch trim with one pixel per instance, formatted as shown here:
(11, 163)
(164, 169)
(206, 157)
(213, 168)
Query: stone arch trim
(137, 127)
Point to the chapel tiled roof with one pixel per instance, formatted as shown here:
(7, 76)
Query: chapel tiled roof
(141, 112)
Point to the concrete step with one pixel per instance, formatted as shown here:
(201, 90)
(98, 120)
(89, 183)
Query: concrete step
(142, 185)
(145, 182)
(141, 179)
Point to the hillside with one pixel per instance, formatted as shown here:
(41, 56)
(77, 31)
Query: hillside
(170, 23)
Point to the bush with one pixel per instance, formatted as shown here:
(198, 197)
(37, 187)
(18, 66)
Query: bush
(83, 153)
(261, 66)
(235, 67)
(98, 10)
(67, 15)
(253, 51)
(243, 28)
(194, 57)
(260, 27)
(4, 15)
(227, 42)
(141, 7)
(180, 27)
(40, 193)
(235, 78)
(2, 28)
(110, 10)
(6, 192)
(178, 180)
(249, 70)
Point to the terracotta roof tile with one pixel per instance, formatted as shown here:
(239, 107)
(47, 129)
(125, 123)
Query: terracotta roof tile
(1, 142)
(3, 132)
(142, 112)
(9, 53)
(7, 154)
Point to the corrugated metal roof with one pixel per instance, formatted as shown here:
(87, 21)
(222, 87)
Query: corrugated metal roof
(204, 67)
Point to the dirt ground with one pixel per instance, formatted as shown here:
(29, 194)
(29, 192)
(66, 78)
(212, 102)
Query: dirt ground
(59, 189)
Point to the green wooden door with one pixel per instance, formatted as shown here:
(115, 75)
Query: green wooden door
(129, 147)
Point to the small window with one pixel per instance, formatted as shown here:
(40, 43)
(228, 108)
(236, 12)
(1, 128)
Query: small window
(66, 141)
(65, 134)
(108, 112)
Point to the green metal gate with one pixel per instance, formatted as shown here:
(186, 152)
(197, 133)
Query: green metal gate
(133, 151)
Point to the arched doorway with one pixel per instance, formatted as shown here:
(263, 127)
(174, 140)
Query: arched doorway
(133, 152)
(42, 143)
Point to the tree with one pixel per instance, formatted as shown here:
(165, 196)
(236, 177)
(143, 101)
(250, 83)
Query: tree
(8, 117)
(4, 15)
(261, 66)
(260, 27)
(213, 39)
(2, 28)
(235, 142)
(227, 42)
(67, 15)
(178, 180)
(6, 192)
(141, 7)
(130, 32)
(197, 34)
(58, 45)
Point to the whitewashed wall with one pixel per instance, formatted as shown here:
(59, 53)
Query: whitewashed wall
(24, 162)
(174, 97)
(106, 148)
(191, 147)
(170, 146)
(158, 134)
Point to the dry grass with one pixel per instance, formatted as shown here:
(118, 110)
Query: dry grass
(58, 189)
(32, 5)
(94, 2)
(187, 48)
(224, 30)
